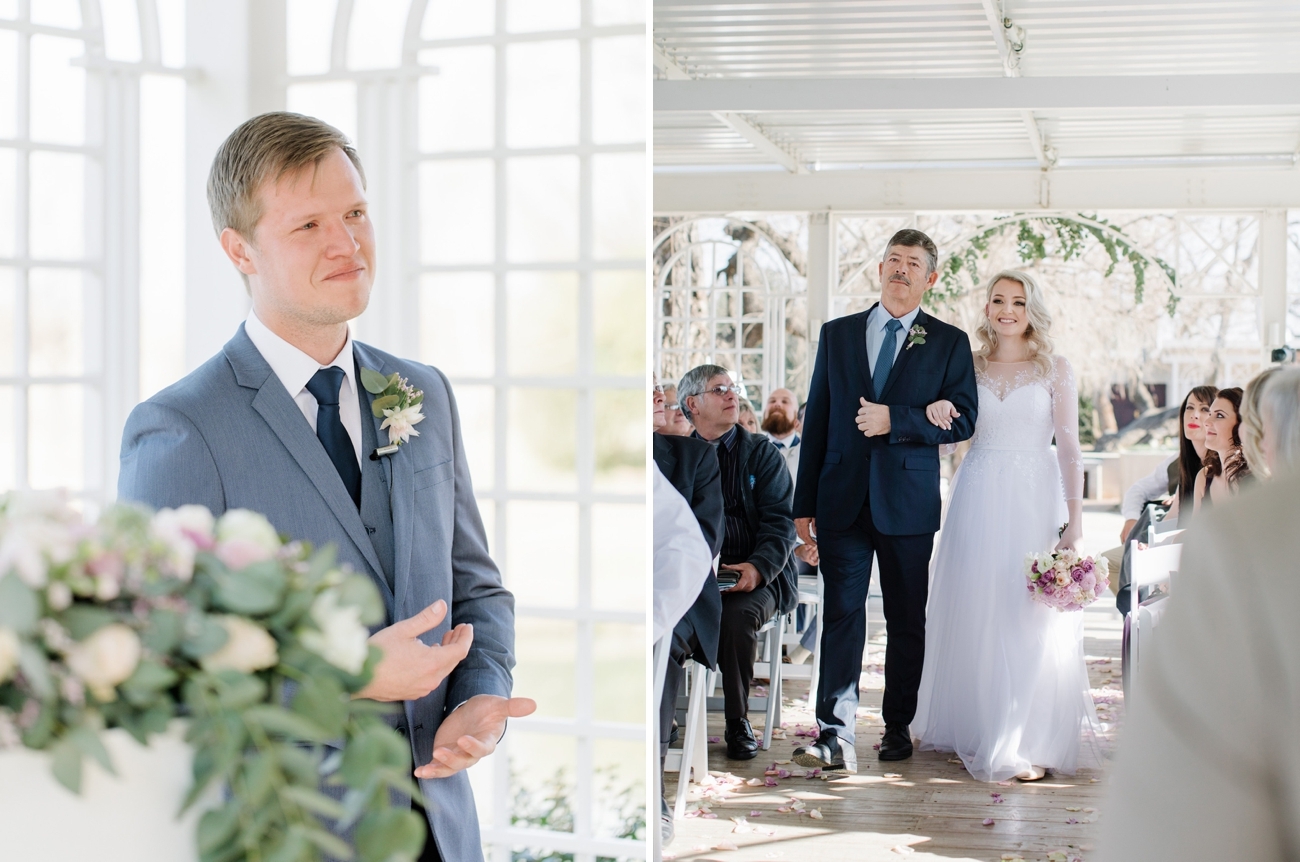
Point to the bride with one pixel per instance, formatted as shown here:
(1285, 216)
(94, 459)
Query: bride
(1004, 684)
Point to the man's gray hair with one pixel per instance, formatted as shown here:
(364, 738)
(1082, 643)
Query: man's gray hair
(694, 382)
(1280, 409)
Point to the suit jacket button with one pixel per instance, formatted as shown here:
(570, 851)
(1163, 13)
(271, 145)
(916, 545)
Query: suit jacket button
(402, 730)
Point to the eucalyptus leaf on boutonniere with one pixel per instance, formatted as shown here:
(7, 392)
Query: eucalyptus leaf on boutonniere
(397, 402)
(915, 335)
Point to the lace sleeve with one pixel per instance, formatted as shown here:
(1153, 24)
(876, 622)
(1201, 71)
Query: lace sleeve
(1065, 418)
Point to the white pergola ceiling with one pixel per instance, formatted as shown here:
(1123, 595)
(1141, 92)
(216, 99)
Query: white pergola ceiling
(812, 103)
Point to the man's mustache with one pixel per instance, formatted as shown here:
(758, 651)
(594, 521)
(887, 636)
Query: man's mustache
(904, 279)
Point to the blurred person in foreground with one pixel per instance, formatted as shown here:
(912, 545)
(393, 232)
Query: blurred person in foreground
(1252, 422)
(278, 422)
(690, 466)
(1209, 762)
(757, 539)
(675, 424)
(1225, 467)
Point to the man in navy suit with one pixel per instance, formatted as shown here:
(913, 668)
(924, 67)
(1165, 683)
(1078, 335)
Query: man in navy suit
(869, 487)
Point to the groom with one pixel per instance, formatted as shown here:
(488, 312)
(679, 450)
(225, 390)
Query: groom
(278, 422)
(869, 487)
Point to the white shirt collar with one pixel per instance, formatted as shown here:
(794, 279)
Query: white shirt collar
(291, 365)
(787, 440)
(881, 316)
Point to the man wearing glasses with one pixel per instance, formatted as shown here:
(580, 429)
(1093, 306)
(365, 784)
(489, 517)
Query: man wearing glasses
(758, 536)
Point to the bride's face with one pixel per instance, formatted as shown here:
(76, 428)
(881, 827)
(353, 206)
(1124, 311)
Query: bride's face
(1218, 430)
(1007, 309)
(1196, 415)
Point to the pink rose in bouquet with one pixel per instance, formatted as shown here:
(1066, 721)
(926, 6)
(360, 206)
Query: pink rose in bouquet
(1064, 580)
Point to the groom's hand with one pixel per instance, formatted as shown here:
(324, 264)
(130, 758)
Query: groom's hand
(471, 732)
(409, 670)
(749, 578)
(873, 419)
(807, 530)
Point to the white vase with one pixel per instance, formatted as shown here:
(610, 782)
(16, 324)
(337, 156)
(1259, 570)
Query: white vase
(130, 817)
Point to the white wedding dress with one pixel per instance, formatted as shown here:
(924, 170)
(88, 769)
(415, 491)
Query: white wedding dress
(1004, 683)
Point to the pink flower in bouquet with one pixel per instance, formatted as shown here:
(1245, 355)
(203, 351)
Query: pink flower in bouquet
(244, 538)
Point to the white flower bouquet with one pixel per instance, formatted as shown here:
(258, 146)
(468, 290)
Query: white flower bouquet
(138, 619)
(1064, 580)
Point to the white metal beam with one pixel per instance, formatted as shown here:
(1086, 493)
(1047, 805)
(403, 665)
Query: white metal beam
(908, 190)
(757, 95)
(761, 142)
(669, 67)
(1011, 67)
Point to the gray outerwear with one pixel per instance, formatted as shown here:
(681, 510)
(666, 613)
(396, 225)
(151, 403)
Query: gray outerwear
(230, 436)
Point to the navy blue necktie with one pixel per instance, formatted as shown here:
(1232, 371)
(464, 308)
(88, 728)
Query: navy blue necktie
(324, 387)
(885, 358)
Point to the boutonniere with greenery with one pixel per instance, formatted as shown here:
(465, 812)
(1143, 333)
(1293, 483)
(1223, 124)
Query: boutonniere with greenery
(915, 335)
(397, 402)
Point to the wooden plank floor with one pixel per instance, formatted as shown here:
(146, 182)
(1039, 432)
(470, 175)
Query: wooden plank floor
(925, 808)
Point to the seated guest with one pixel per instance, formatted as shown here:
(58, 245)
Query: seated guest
(1279, 409)
(758, 496)
(691, 467)
(748, 418)
(1252, 428)
(1208, 768)
(1225, 464)
(781, 424)
(675, 424)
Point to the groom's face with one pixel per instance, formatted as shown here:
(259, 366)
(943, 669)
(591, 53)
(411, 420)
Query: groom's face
(312, 258)
(905, 275)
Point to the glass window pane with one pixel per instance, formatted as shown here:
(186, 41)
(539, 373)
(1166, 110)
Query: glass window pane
(162, 232)
(8, 81)
(542, 93)
(54, 302)
(171, 30)
(58, 91)
(8, 8)
(121, 30)
(457, 223)
(542, 554)
(607, 12)
(56, 13)
(456, 323)
(542, 323)
(455, 19)
(310, 31)
(456, 110)
(8, 440)
(618, 557)
(620, 440)
(543, 766)
(55, 449)
(57, 188)
(618, 317)
(8, 335)
(8, 168)
(525, 16)
(618, 207)
(477, 408)
(542, 195)
(375, 39)
(335, 102)
(619, 651)
(619, 798)
(546, 654)
(617, 89)
(541, 442)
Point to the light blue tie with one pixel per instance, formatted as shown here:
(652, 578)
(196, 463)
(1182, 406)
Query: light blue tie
(885, 358)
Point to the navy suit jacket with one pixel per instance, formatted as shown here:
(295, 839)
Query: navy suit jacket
(838, 464)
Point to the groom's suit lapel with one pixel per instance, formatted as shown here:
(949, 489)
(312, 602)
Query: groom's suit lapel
(904, 357)
(401, 490)
(274, 405)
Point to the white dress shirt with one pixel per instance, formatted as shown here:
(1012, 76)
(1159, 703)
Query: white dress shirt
(876, 332)
(295, 368)
(1153, 487)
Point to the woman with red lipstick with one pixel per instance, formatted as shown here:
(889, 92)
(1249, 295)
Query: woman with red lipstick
(1191, 444)
(1224, 460)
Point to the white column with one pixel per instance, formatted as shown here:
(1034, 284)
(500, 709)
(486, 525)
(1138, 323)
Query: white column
(217, 45)
(823, 272)
(1272, 277)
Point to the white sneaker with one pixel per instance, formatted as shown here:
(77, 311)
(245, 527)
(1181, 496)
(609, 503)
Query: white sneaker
(798, 655)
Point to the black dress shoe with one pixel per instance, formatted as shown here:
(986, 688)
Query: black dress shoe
(896, 744)
(827, 753)
(741, 744)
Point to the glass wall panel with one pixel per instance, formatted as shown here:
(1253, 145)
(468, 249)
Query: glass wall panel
(542, 555)
(542, 323)
(457, 211)
(56, 437)
(541, 441)
(542, 94)
(453, 113)
(456, 323)
(542, 196)
(310, 31)
(56, 327)
(56, 225)
(58, 103)
(455, 19)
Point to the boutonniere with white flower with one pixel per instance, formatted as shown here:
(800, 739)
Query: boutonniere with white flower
(397, 402)
(915, 335)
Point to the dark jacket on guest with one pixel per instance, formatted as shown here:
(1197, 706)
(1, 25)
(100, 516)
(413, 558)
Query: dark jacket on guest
(691, 466)
(768, 496)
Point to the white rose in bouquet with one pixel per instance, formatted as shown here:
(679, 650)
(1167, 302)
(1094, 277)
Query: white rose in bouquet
(8, 652)
(248, 647)
(343, 640)
(244, 538)
(184, 532)
(106, 658)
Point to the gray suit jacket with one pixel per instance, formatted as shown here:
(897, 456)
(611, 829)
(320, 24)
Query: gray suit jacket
(230, 436)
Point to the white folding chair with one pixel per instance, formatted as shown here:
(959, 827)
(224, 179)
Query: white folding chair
(775, 631)
(692, 762)
(1150, 567)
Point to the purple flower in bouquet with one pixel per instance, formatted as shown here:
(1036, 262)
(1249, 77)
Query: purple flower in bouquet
(1076, 574)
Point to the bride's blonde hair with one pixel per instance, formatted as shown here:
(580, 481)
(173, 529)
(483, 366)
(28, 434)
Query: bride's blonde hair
(1040, 343)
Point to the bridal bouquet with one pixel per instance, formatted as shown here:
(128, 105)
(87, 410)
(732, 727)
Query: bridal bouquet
(138, 618)
(1064, 580)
